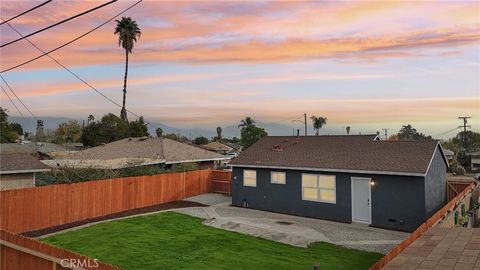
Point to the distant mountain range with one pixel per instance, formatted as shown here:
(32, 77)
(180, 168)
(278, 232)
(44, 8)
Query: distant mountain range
(230, 131)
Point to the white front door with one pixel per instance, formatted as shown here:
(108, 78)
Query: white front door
(361, 200)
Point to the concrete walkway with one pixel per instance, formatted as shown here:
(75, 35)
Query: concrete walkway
(293, 230)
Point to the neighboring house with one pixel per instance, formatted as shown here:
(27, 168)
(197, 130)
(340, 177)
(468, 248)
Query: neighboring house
(42, 150)
(17, 170)
(133, 152)
(218, 147)
(355, 178)
(475, 161)
(236, 146)
(450, 155)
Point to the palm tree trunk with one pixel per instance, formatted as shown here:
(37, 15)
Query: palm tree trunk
(123, 112)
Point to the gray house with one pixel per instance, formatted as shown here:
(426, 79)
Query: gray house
(388, 184)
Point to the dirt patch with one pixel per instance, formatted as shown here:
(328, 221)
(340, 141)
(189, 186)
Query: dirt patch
(148, 209)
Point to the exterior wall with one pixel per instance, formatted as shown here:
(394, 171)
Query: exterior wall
(206, 165)
(398, 202)
(436, 184)
(14, 181)
(475, 163)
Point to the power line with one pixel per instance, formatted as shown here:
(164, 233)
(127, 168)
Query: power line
(21, 102)
(58, 23)
(70, 71)
(13, 103)
(71, 41)
(25, 12)
(446, 132)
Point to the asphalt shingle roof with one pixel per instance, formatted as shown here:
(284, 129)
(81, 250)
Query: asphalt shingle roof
(348, 153)
(20, 162)
(146, 148)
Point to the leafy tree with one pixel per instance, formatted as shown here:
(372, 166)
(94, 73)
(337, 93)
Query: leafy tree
(128, 32)
(348, 130)
(70, 131)
(318, 123)
(200, 140)
(251, 134)
(410, 133)
(467, 141)
(159, 132)
(138, 128)
(171, 136)
(8, 132)
(112, 128)
(17, 128)
(219, 134)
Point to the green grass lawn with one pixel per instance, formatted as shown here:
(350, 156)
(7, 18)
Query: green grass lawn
(175, 241)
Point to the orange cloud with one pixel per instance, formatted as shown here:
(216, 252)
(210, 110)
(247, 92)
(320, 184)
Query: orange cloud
(264, 32)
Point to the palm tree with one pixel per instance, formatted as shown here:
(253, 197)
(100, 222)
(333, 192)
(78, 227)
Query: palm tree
(318, 123)
(128, 32)
(248, 121)
(90, 119)
(348, 130)
(219, 134)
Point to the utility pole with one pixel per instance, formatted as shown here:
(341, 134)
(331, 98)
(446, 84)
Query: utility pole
(465, 121)
(305, 119)
(386, 134)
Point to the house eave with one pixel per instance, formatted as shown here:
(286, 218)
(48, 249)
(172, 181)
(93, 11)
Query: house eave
(25, 171)
(330, 170)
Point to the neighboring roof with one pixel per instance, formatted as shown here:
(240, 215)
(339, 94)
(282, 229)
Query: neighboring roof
(448, 152)
(20, 163)
(235, 146)
(347, 153)
(136, 152)
(175, 152)
(33, 147)
(217, 146)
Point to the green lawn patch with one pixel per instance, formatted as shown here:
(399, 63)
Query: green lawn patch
(171, 240)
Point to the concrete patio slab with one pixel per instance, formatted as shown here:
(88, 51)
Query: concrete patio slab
(288, 229)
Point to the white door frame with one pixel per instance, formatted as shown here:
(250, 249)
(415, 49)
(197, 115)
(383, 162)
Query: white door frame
(369, 198)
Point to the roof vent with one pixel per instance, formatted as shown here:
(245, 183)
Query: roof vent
(277, 148)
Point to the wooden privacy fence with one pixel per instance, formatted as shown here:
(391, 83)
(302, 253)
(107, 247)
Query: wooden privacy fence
(456, 187)
(434, 219)
(222, 182)
(18, 252)
(37, 208)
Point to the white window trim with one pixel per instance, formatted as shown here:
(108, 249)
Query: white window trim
(318, 188)
(245, 185)
(278, 183)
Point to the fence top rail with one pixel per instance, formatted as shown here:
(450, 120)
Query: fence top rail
(106, 179)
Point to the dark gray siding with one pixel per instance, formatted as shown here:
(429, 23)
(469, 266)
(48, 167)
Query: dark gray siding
(288, 198)
(398, 202)
(436, 184)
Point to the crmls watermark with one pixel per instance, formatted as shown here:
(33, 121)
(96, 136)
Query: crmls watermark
(79, 263)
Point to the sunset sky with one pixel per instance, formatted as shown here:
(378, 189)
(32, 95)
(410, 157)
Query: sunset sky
(368, 65)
